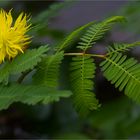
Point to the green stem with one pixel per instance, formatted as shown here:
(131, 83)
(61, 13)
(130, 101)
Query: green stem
(77, 54)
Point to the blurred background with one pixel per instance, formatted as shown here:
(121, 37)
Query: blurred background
(52, 20)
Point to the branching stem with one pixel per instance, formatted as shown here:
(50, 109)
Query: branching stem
(24, 74)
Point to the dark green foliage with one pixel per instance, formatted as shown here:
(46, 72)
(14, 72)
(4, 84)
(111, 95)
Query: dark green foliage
(29, 94)
(48, 70)
(28, 60)
(4, 73)
(81, 77)
(22, 62)
(124, 73)
(114, 119)
(131, 10)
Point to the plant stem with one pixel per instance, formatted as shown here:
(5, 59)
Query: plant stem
(77, 54)
(24, 74)
(21, 78)
(74, 54)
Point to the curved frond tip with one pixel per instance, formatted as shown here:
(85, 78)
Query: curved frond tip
(97, 31)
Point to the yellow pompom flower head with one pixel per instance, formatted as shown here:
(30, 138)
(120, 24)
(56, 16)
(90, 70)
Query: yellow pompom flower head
(13, 38)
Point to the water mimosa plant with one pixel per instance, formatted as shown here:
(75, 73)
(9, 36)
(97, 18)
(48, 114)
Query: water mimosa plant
(19, 60)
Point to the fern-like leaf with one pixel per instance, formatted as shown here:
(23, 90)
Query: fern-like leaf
(22, 62)
(48, 70)
(27, 60)
(115, 48)
(97, 31)
(124, 73)
(68, 40)
(81, 77)
(29, 94)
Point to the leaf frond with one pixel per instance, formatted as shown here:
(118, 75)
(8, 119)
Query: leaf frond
(48, 70)
(124, 73)
(22, 62)
(81, 76)
(97, 31)
(27, 60)
(29, 94)
(68, 40)
(115, 48)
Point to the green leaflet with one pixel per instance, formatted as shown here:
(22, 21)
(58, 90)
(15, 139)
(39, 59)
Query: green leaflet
(28, 60)
(22, 63)
(68, 40)
(121, 47)
(81, 76)
(97, 31)
(4, 73)
(48, 70)
(29, 94)
(124, 73)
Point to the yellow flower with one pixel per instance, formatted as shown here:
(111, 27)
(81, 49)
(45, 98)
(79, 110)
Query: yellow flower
(13, 36)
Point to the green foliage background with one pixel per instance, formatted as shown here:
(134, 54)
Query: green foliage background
(118, 116)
